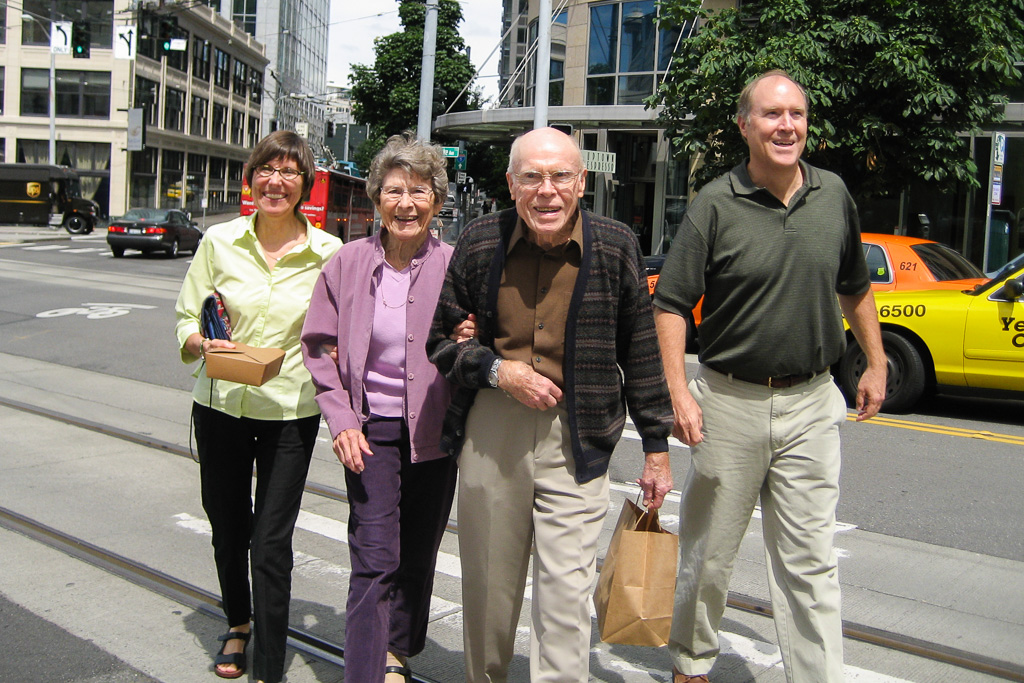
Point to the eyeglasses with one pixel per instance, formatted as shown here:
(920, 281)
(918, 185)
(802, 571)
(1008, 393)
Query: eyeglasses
(534, 179)
(417, 194)
(266, 170)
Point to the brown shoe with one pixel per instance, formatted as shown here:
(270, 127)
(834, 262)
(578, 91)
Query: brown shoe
(686, 678)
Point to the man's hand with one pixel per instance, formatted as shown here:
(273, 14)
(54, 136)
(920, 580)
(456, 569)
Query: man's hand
(656, 480)
(528, 386)
(350, 446)
(871, 392)
(860, 313)
(689, 419)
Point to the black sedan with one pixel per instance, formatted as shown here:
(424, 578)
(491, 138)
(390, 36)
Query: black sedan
(148, 230)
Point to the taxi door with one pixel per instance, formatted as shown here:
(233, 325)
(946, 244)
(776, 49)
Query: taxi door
(994, 340)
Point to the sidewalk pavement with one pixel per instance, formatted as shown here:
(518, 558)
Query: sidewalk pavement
(961, 601)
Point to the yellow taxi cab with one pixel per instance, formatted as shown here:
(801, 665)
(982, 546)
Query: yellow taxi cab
(963, 340)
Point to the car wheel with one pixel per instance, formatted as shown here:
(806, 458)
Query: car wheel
(78, 225)
(906, 381)
(118, 252)
(175, 248)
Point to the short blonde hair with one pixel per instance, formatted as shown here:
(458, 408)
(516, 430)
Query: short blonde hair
(747, 94)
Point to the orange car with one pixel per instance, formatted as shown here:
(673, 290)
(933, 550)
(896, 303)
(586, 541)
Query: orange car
(895, 262)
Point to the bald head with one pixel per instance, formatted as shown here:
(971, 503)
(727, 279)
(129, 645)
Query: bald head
(550, 137)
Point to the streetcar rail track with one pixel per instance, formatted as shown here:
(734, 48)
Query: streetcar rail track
(327, 650)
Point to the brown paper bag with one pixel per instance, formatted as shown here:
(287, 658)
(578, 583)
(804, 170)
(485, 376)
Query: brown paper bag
(636, 588)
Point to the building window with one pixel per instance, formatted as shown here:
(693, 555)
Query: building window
(244, 15)
(220, 122)
(143, 183)
(174, 110)
(200, 107)
(172, 170)
(1, 91)
(79, 94)
(147, 94)
(99, 14)
(218, 168)
(221, 68)
(626, 52)
(201, 60)
(237, 127)
(556, 77)
(240, 78)
(255, 85)
(235, 171)
(254, 131)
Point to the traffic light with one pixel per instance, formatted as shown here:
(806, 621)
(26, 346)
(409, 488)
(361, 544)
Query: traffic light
(80, 40)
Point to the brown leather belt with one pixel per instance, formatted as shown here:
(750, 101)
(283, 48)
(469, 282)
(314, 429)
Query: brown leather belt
(781, 382)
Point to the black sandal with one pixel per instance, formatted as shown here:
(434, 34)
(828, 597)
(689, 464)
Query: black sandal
(235, 658)
(400, 670)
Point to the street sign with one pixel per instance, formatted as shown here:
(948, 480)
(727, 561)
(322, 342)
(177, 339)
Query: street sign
(60, 37)
(450, 152)
(599, 162)
(460, 162)
(460, 177)
(302, 129)
(124, 43)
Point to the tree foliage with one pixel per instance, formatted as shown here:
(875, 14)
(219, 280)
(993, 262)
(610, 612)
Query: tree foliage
(386, 95)
(892, 84)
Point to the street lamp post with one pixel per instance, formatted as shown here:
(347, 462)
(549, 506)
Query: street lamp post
(53, 94)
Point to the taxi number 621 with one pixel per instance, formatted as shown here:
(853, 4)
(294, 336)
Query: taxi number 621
(904, 311)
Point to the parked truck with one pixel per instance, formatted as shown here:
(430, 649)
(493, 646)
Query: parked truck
(41, 194)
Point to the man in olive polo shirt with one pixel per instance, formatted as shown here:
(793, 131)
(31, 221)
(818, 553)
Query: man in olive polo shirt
(769, 245)
(565, 341)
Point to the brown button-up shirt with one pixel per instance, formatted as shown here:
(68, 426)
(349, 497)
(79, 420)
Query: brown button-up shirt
(533, 301)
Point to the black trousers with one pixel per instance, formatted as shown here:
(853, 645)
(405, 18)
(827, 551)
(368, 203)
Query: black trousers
(281, 450)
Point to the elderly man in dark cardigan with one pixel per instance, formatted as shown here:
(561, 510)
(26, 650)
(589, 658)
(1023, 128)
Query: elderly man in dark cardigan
(566, 341)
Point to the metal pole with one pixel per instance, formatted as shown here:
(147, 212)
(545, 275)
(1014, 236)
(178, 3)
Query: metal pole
(540, 99)
(53, 109)
(427, 75)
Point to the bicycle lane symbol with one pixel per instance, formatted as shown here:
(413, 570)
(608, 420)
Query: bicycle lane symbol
(94, 311)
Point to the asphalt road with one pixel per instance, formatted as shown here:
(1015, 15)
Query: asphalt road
(947, 474)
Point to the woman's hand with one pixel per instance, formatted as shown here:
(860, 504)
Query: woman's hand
(465, 330)
(198, 346)
(350, 446)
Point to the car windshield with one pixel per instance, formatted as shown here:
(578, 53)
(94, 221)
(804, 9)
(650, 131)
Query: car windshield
(145, 215)
(946, 263)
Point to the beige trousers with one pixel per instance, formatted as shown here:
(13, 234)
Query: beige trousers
(517, 497)
(781, 445)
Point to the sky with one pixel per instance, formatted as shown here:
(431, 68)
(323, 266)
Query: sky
(355, 23)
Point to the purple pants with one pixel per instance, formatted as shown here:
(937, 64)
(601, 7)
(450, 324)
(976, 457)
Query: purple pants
(398, 511)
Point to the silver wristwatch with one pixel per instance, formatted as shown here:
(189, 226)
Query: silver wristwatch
(492, 375)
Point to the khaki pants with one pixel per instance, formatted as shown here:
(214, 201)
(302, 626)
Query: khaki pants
(781, 445)
(517, 494)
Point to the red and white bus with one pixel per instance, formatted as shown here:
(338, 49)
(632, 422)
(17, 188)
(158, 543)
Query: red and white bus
(338, 204)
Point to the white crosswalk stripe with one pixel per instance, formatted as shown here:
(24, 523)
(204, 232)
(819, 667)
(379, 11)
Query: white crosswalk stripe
(448, 614)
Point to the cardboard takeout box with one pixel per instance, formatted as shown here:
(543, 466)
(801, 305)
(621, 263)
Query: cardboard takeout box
(244, 364)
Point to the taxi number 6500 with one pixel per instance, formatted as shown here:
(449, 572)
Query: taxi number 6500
(904, 311)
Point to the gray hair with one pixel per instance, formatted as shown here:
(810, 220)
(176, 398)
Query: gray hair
(414, 156)
(513, 155)
(744, 104)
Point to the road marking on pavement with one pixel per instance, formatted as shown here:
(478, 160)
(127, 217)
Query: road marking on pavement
(83, 250)
(45, 247)
(756, 652)
(942, 429)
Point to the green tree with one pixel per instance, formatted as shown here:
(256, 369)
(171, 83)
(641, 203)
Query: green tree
(892, 84)
(386, 95)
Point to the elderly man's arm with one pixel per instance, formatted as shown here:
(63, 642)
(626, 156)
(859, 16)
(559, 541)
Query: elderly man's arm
(860, 313)
(688, 418)
(656, 480)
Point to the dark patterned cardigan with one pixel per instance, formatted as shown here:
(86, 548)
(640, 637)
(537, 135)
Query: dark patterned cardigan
(612, 358)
